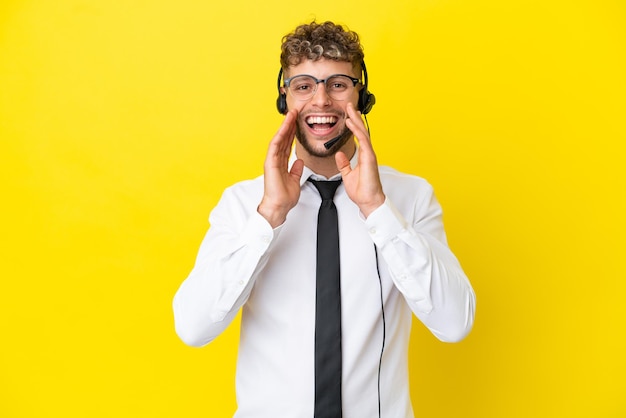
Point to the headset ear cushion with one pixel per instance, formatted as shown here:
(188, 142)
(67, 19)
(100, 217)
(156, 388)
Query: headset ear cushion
(366, 101)
(281, 104)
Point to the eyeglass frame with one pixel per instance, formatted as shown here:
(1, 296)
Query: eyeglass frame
(287, 82)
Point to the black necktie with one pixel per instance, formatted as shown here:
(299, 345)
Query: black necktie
(327, 307)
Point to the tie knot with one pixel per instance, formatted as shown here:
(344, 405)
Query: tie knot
(326, 189)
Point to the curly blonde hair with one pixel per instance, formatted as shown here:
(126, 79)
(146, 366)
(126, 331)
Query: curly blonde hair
(315, 41)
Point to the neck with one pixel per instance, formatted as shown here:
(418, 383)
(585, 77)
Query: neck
(325, 166)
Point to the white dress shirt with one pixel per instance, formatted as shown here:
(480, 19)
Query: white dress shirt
(270, 274)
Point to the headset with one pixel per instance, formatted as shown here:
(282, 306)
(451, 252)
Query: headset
(365, 103)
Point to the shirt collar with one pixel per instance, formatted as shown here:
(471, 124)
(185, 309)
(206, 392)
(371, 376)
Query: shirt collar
(307, 172)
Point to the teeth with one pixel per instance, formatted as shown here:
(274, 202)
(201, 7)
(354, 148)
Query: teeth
(321, 119)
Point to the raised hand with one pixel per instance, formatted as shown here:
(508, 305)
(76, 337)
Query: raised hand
(362, 183)
(282, 186)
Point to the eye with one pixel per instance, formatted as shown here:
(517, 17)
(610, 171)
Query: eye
(302, 84)
(338, 83)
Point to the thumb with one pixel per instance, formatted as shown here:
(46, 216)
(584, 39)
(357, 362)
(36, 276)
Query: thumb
(297, 168)
(343, 164)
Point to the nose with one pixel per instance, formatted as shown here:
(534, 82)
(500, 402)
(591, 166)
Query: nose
(320, 97)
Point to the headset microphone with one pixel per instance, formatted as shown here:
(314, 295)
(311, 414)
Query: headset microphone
(332, 142)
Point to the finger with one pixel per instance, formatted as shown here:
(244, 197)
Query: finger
(283, 139)
(287, 129)
(355, 123)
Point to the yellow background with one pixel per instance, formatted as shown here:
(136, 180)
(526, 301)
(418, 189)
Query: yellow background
(122, 121)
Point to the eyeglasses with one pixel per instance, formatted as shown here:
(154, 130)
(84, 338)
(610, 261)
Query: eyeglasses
(304, 86)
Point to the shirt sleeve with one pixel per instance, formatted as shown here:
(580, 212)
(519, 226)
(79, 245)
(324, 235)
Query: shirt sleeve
(233, 251)
(422, 266)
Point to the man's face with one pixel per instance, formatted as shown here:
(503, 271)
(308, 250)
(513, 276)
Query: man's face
(322, 118)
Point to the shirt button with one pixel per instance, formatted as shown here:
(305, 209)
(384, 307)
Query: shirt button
(372, 231)
(240, 282)
(266, 239)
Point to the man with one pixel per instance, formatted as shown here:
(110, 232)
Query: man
(261, 253)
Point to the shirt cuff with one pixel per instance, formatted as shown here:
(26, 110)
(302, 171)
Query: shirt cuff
(258, 233)
(385, 223)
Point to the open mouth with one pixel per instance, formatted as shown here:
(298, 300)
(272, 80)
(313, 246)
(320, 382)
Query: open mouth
(321, 123)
